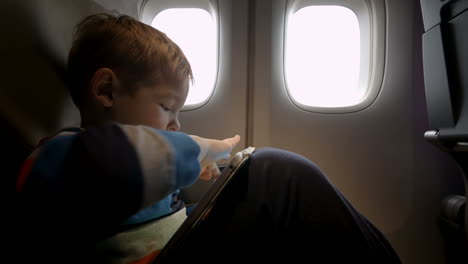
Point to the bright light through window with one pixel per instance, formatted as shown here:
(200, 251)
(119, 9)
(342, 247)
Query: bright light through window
(194, 30)
(322, 57)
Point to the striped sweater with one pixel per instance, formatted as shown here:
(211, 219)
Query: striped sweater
(109, 193)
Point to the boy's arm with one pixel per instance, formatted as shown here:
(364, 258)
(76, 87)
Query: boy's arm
(169, 160)
(106, 174)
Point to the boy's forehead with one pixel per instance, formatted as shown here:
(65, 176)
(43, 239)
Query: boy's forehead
(172, 89)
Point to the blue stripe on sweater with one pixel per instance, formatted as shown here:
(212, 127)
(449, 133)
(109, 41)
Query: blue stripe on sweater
(48, 166)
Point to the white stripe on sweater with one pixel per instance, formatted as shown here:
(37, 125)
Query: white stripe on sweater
(156, 160)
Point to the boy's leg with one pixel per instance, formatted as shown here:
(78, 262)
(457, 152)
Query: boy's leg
(282, 206)
(296, 209)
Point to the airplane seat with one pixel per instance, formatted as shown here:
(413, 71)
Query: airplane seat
(34, 102)
(445, 63)
(15, 149)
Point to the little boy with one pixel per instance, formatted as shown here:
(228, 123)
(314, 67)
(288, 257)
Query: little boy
(108, 191)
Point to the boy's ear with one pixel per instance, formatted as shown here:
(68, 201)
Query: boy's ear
(103, 84)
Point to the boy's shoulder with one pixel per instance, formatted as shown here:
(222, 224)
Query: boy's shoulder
(71, 130)
(32, 157)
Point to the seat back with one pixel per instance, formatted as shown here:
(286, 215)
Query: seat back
(445, 61)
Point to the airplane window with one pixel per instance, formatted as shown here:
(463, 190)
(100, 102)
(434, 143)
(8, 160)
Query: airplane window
(194, 30)
(322, 57)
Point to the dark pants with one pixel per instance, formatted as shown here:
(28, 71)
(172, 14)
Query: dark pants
(281, 206)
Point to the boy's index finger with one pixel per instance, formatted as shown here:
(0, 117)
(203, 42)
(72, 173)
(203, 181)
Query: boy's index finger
(232, 142)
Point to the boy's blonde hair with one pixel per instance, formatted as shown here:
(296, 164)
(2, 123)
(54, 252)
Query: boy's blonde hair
(139, 54)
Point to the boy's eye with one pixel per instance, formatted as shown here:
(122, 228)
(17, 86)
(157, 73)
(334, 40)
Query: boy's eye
(165, 108)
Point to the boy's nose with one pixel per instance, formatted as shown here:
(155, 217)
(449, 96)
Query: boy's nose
(174, 125)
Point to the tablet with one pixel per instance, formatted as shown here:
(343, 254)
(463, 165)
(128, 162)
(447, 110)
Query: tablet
(201, 211)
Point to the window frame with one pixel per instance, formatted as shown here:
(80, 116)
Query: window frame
(151, 8)
(371, 19)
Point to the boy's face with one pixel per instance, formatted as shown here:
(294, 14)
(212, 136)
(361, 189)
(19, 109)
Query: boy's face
(156, 106)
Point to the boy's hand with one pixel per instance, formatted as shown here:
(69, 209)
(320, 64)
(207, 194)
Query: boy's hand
(212, 150)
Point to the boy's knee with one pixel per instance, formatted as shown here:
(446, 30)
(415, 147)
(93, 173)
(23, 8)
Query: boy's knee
(274, 161)
(275, 167)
